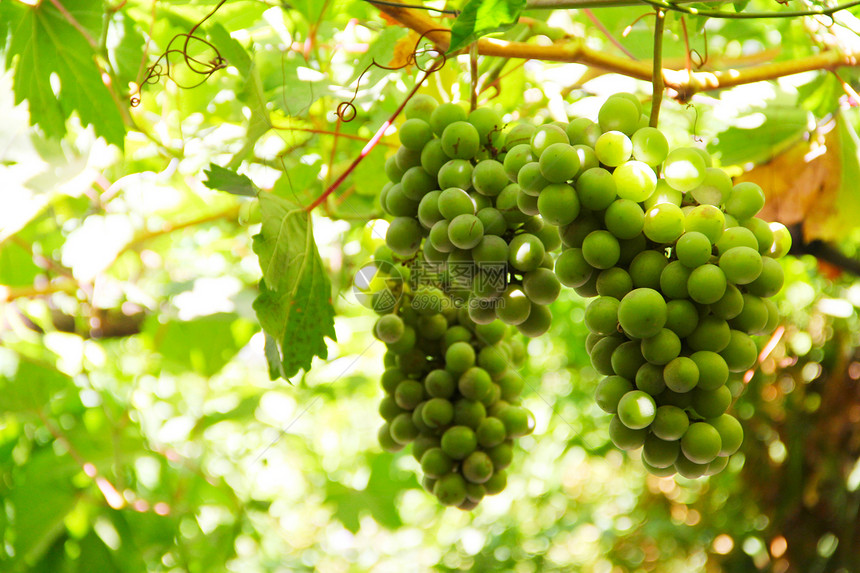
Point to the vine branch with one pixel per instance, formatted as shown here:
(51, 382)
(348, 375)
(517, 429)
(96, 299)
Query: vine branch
(657, 74)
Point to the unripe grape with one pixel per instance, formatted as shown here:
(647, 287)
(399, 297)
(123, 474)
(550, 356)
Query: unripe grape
(670, 423)
(642, 312)
(465, 231)
(701, 443)
(435, 463)
(681, 374)
(627, 359)
(514, 306)
(614, 282)
(454, 201)
(527, 203)
(389, 328)
(487, 122)
(673, 280)
(693, 249)
(489, 178)
(541, 286)
(460, 140)
(506, 203)
(459, 357)
(712, 333)
(712, 403)
(531, 180)
(477, 467)
(546, 135)
(455, 173)
(450, 489)
(437, 412)
(403, 236)
(403, 429)
(613, 148)
(386, 441)
(781, 240)
(392, 170)
(517, 420)
(493, 221)
(707, 284)
(663, 193)
(753, 318)
(415, 134)
(624, 218)
(650, 146)
(600, 249)
(446, 114)
(519, 134)
(662, 347)
(713, 370)
(601, 354)
(559, 162)
(741, 265)
(496, 484)
(582, 131)
(636, 409)
(634, 180)
(623, 437)
(421, 106)
(689, 469)
(526, 252)
(551, 239)
(601, 315)
(740, 353)
(619, 114)
(609, 392)
(714, 189)
(630, 248)
(440, 384)
(474, 383)
(398, 204)
(490, 432)
(664, 223)
(731, 433)
(706, 219)
(770, 281)
(516, 158)
(684, 169)
(572, 269)
(736, 237)
(660, 453)
(596, 188)
(745, 200)
(646, 268)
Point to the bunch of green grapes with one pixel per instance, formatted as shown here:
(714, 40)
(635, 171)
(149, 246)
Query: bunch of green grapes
(681, 269)
(452, 391)
(458, 212)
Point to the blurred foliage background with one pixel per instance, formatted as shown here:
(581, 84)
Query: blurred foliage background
(139, 428)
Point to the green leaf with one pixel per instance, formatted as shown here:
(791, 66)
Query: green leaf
(481, 17)
(312, 10)
(127, 55)
(231, 50)
(847, 200)
(227, 180)
(204, 344)
(740, 5)
(774, 128)
(294, 306)
(46, 43)
(821, 95)
(378, 498)
(16, 265)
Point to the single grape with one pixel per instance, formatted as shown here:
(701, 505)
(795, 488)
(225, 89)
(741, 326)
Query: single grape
(781, 241)
(403, 429)
(736, 237)
(707, 284)
(601, 354)
(614, 282)
(660, 453)
(673, 280)
(745, 200)
(488, 123)
(465, 231)
(398, 204)
(714, 189)
(646, 268)
(689, 469)
(541, 286)
(623, 437)
(386, 441)
(469, 413)
(670, 423)
(770, 281)
(664, 223)
(531, 180)
(762, 232)
(496, 484)
(601, 315)
(477, 467)
(459, 357)
(681, 374)
(516, 158)
(706, 219)
(450, 489)
(740, 353)
(753, 317)
(493, 221)
(528, 204)
(525, 252)
(453, 202)
(455, 173)
(693, 249)
(600, 249)
(613, 148)
(635, 180)
(596, 189)
(731, 433)
(627, 359)
(572, 269)
(663, 193)
(506, 203)
(406, 158)
(713, 370)
(489, 178)
(712, 333)
(741, 265)
(636, 409)
(392, 170)
(624, 218)
(684, 169)
(428, 209)
(420, 106)
(559, 162)
(619, 114)
(389, 328)
(474, 383)
(415, 134)
(609, 392)
(460, 140)
(518, 134)
(517, 420)
(661, 348)
(587, 157)
(403, 236)
(650, 146)
(583, 131)
(701, 443)
(712, 403)
(446, 114)
(546, 135)
(642, 312)
(558, 204)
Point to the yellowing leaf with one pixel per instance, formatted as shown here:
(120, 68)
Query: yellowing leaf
(403, 50)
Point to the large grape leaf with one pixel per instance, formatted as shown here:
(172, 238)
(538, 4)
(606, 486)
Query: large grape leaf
(481, 17)
(759, 135)
(294, 306)
(45, 43)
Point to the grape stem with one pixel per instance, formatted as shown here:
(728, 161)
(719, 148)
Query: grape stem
(365, 151)
(684, 83)
(657, 73)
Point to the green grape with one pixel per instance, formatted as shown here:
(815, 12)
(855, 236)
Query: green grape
(438, 237)
(527, 203)
(389, 409)
(632, 99)
(558, 204)
(662, 347)
(731, 433)
(740, 353)
(609, 392)
(614, 282)
(428, 209)
(436, 463)
(459, 441)
(634, 180)
(646, 268)
(490, 249)
(398, 204)
(516, 158)
(706, 157)
(475, 383)
(488, 123)
(492, 333)
(706, 219)
(525, 252)
(551, 239)
(439, 384)
(455, 173)
(457, 333)
(460, 140)
(630, 248)
(618, 114)
(713, 370)
(392, 170)
(693, 249)
(590, 340)
(627, 359)
(689, 469)
(386, 441)
(736, 237)
(623, 437)
(650, 146)
(596, 189)
(601, 315)
(391, 378)
(477, 468)
(423, 443)
(412, 362)
(673, 280)
(493, 221)
(403, 429)
(762, 232)
(531, 180)
(480, 313)
(745, 200)
(517, 420)
(684, 169)
(770, 281)
(546, 135)
(511, 385)
(559, 162)
(587, 157)
(406, 158)
(450, 489)
(741, 265)
(446, 114)
(701, 443)
(730, 304)
(389, 328)
(707, 284)
(781, 241)
(670, 423)
(514, 306)
(636, 409)
(712, 403)
(601, 249)
(469, 413)
(660, 453)
(519, 134)
(496, 484)
(572, 269)
(753, 318)
(649, 379)
(659, 472)
(681, 374)
(453, 202)
(415, 134)
(582, 131)
(465, 231)
(459, 357)
(712, 333)
(601, 354)
(506, 203)
(664, 223)
(420, 106)
(541, 286)
(490, 432)
(589, 289)
(714, 189)
(403, 236)
(624, 219)
(663, 193)
(718, 465)
(613, 148)
(437, 412)
(642, 312)
(489, 178)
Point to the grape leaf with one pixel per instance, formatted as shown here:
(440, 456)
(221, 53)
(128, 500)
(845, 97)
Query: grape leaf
(45, 43)
(481, 17)
(776, 128)
(294, 306)
(227, 180)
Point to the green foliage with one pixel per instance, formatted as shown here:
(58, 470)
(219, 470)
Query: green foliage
(223, 179)
(481, 17)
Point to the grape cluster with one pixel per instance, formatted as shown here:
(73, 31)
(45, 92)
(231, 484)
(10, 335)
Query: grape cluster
(460, 214)
(681, 269)
(451, 390)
